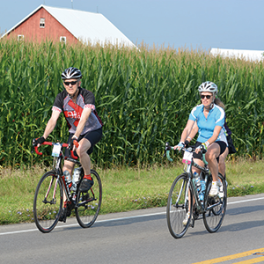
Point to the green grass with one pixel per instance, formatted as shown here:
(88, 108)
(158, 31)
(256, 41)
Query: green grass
(123, 189)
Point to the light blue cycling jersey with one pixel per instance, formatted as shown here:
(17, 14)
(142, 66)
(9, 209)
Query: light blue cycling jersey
(216, 117)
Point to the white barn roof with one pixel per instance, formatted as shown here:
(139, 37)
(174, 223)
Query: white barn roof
(85, 26)
(255, 55)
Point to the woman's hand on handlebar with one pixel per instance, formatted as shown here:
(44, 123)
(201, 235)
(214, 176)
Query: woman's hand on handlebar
(181, 145)
(202, 148)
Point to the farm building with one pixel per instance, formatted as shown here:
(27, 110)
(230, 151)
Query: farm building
(69, 26)
(254, 55)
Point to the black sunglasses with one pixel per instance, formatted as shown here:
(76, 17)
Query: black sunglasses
(72, 83)
(207, 96)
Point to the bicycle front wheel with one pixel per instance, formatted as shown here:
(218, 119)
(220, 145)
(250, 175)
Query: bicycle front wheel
(89, 203)
(47, 202)
(215, 208)
(178, 206)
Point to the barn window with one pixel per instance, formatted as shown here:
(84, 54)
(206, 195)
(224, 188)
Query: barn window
(42, 23)
(20, 37)
(63, 39)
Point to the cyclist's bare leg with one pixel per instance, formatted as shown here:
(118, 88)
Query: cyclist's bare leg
(212, 153)
(200, 163)
(68, 165)
(221, 165)
(84, 145)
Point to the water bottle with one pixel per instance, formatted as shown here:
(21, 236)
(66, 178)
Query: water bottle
(74, 198)
(197, 181)
(76, 178)
(67, 176)
(201, 193)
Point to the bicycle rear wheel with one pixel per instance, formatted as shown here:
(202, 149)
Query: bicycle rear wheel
(47, 202)
(215, 208)
(89, 203)
(178, 206)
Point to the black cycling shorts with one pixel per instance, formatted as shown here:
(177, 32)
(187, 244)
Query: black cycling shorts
(221, 144)
(93, 136)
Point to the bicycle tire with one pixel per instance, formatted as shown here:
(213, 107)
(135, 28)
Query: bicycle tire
(89, 203)
(47, 210)
(176, 212)
(213, 218)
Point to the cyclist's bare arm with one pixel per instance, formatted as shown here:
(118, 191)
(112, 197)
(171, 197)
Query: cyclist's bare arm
(212, 139)
(51, 123)
(84, 117)
(193, 132)
(216, 133)
(186, 131)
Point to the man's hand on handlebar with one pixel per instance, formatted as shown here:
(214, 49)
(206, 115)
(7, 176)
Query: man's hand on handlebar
(37, 142)
(73, 144)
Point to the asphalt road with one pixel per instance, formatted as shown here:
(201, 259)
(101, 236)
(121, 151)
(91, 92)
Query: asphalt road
(139, 237)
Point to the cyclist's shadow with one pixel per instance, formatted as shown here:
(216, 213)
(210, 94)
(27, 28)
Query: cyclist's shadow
(244, 224)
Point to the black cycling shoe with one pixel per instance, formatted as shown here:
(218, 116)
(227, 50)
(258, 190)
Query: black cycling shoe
(66, 211)
(70, 206)
(86, 185)
(63, 215)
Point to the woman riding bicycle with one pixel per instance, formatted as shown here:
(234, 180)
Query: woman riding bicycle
(85, 126)
(230, 149)
(210, 119)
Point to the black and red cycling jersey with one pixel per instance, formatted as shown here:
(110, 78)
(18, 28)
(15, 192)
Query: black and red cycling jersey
(73, 111)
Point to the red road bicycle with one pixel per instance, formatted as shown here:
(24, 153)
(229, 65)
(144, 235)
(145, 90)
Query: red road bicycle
(48, 199)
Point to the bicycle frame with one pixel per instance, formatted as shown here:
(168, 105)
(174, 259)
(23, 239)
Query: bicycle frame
(188, 170)
(190, 183)
(58, 170)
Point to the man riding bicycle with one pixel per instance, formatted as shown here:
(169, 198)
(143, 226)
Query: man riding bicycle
(85, 126)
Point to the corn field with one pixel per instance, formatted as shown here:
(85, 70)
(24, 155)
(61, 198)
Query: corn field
(144, 98)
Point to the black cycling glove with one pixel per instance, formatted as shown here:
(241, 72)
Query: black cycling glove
(71, 143)
(38, 141)
(186, 143)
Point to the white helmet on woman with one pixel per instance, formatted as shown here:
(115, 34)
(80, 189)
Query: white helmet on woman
(208, 87)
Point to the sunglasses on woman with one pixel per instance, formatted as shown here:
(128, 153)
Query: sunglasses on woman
(72, 83)
(207, 96)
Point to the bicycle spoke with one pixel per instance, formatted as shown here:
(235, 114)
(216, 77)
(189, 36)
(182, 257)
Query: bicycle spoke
(89, 203)
(47, 202)
(178, 206)
(215, 210)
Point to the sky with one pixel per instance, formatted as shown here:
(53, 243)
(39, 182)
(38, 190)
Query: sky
(187, 24)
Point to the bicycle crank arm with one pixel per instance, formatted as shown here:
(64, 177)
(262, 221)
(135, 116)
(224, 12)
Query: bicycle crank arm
(212, 206)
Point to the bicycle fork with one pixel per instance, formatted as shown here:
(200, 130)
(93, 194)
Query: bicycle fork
(53, 201)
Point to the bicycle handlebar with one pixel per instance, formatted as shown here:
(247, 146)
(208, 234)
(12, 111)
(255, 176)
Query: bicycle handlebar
(64, 145)
(190, 149)
(76, 143)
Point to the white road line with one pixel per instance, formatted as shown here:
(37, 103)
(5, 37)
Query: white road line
(122, 218)
(244, 201)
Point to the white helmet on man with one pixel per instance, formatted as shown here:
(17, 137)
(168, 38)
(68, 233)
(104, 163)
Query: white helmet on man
(71, 73)
(208, 87)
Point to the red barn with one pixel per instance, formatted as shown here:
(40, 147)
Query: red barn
(67, 25)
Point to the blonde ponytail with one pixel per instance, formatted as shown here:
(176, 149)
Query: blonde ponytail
(218, 102)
